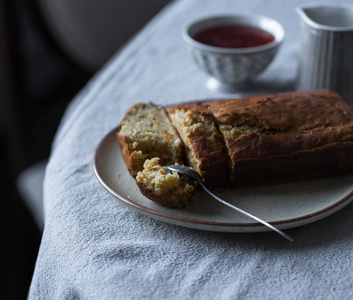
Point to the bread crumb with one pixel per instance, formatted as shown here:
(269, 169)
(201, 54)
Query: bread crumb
(159, 184)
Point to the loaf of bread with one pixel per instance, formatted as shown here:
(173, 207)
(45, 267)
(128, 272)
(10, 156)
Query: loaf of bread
(250, 140)
(286, 137)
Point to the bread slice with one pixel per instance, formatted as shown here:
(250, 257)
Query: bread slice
(148, 140)
(203, 143)
(286, 137)
(162, 186)
(146, 132)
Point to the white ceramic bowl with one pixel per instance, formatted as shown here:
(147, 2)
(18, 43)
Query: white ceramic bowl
(229, 68)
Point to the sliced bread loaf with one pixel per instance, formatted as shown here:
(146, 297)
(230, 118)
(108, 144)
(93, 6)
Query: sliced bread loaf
(250, 140)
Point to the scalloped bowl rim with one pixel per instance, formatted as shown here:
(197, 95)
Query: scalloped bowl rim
(265, 23)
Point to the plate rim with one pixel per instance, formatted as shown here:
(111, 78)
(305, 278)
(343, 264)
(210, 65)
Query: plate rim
(317, 215)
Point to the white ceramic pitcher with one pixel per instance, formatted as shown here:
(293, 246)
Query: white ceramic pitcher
(326, 59)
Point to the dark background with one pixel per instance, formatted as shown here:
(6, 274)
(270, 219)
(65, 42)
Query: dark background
(37, 82)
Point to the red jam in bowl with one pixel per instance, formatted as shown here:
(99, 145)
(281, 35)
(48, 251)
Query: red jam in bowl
(234, 36)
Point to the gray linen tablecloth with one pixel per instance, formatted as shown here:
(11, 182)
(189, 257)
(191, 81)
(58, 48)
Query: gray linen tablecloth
(94, 247)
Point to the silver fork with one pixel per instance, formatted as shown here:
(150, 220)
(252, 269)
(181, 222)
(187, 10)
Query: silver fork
(196, 176)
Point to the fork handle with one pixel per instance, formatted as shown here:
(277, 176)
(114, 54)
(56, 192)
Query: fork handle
(246, 213)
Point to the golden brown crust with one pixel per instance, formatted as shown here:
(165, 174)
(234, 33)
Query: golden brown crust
(292, 111)
(304, 135)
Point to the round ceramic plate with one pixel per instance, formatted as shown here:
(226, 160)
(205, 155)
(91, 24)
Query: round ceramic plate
(284, 205)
